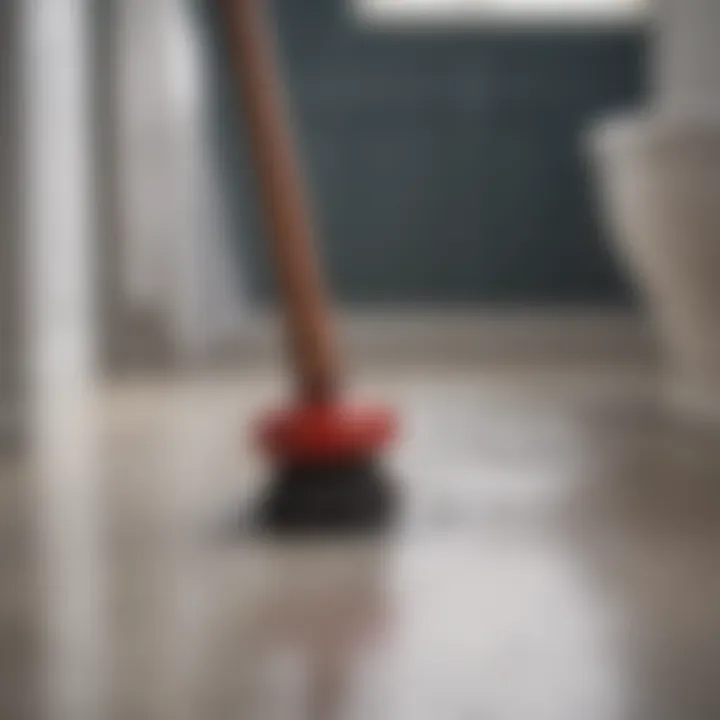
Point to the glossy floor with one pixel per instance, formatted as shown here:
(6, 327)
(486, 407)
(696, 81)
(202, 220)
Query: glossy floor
(558, 558)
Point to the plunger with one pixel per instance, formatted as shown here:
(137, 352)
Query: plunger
(325, 451)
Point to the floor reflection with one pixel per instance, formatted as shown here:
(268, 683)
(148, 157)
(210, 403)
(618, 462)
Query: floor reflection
(71, 559)
(556, 560)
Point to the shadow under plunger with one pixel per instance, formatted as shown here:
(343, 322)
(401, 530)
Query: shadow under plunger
(325, 452)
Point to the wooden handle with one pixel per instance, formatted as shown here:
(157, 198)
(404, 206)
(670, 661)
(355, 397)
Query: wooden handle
(253, 58)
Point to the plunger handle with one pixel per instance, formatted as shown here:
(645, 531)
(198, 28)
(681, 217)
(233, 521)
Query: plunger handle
(253, 59)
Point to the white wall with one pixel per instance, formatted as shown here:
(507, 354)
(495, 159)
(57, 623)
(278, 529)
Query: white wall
(175, 255)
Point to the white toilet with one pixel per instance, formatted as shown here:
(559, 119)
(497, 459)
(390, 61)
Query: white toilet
(659, 185)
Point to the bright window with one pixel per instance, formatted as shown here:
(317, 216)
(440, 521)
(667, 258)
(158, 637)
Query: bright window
(522, 11)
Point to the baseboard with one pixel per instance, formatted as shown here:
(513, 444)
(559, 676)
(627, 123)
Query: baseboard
(502, 335)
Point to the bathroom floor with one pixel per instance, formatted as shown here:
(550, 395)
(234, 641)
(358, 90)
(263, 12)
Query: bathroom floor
(557, 559)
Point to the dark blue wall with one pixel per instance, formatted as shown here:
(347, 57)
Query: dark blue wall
(446, 168)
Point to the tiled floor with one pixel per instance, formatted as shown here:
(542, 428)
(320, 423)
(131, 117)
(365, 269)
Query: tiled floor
(558, 558)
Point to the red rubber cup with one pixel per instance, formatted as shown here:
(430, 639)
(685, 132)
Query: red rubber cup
(326, 433)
